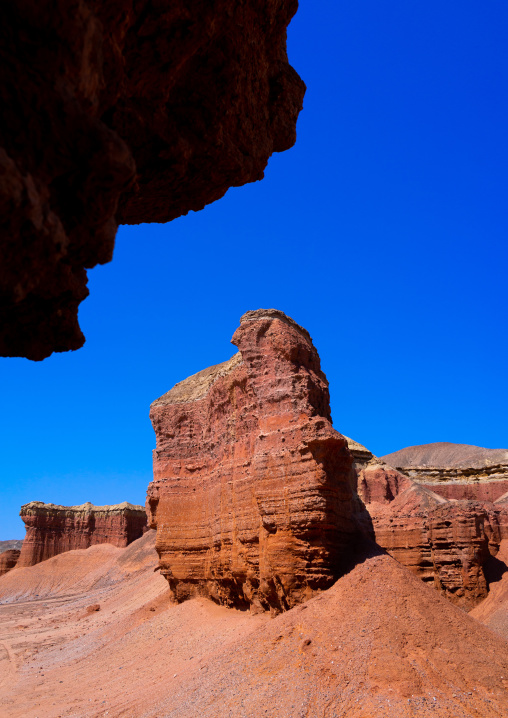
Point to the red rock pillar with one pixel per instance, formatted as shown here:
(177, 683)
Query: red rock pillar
(251, 495)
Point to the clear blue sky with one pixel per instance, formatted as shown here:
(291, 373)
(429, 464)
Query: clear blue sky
(383, 232)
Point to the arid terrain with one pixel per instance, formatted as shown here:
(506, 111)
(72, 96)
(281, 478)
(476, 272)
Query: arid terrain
(261, 592)
(378, 643)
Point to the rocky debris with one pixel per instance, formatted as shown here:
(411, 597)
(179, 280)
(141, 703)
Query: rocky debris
(455, 471)
(251, 494)
(447, 543)
(8, 559)
(52, 529)
(124, 112)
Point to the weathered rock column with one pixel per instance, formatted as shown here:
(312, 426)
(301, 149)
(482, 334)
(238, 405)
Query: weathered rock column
(251, 497)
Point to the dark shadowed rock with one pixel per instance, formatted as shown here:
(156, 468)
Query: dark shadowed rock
(124, 112)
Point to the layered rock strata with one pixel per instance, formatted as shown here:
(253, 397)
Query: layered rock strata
(8, 559)
(124, 112)
(447, 543)
(251, 494)
(455, 471)
(52, 529)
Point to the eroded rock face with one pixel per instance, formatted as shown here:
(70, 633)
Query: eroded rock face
(455, 471)
(251, 495)
(446, 543)
(52, 529)
(124, 112)
(8, 559)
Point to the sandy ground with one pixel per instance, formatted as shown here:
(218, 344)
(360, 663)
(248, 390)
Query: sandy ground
(379, 643)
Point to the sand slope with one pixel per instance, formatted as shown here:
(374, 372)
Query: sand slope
(493, 611)
(378, 643)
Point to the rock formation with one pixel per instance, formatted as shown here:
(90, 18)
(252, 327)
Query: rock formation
(455, 471)
(251, 495)
(8, 559)
(124, 113)
(447, 543)
(52, 529)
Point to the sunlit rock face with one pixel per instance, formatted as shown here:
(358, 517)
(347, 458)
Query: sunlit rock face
(121, 112)
(449, 544)
(251, 495)
(52, 529)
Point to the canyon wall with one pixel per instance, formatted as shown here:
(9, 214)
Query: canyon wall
(251, 495)
(124, 112)
(52, 529)
(447, 543)
(455, 471)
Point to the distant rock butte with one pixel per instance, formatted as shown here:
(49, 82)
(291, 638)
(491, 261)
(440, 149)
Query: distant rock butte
(53, 529)
(455, 471)
(11, 544)
(251, 494)
(8, 560)
(447, 543)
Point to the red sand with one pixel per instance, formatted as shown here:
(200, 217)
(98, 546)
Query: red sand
(378, 643)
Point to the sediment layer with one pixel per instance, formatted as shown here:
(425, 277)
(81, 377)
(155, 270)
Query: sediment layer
(251, 494)
(52, 529)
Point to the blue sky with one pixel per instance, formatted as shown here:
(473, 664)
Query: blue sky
(383, 232)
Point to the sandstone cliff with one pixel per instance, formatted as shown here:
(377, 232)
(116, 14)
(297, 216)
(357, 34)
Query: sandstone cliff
(455, 471)
(447, 543)
(251, 495)
(52, 529)
(8, 559)
(124, 112)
